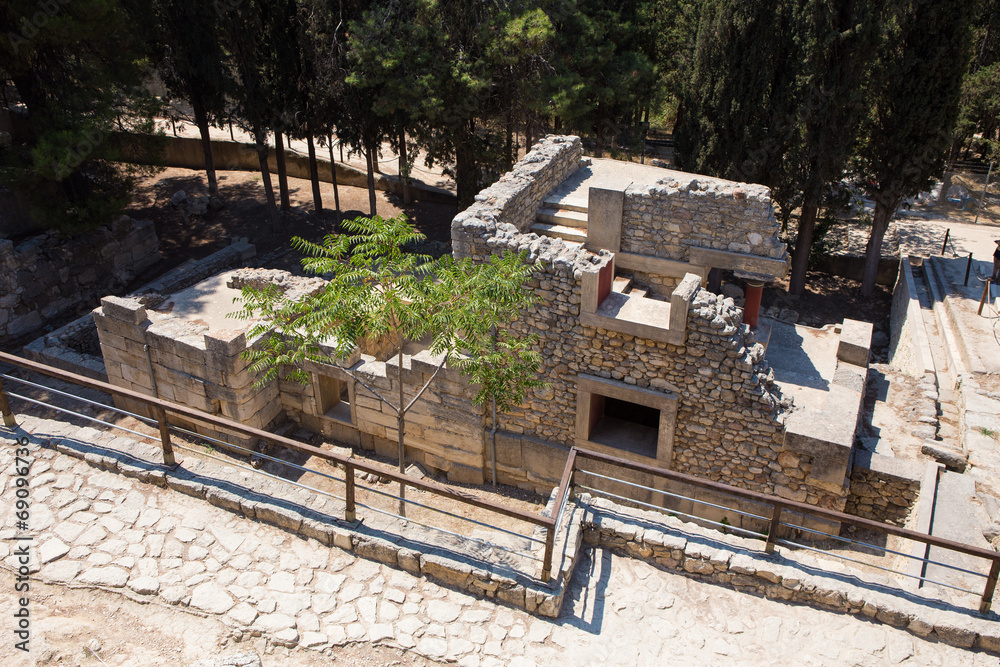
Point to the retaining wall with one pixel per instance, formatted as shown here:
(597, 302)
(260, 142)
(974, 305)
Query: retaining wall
(883, 488)
(50, 275)
(909, 350)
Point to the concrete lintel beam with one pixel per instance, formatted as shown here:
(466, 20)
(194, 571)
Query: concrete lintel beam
(723, 259)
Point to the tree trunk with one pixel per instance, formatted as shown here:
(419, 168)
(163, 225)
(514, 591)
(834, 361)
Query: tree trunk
(400, 428)
(265, 175)
(404, 167)
(201, 120)
(800, 258)
(314, 173)
(465, 170)
(333, 178)
(945, 184)
(527, 134)
(279, 157)
(372, 209)
(509, 148)
(880, 223)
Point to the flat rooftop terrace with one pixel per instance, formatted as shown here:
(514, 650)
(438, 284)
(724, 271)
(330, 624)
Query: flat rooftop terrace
(804, 360)
(206, 303)
(604, 173)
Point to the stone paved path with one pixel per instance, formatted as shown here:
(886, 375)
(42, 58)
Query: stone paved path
(99, 529)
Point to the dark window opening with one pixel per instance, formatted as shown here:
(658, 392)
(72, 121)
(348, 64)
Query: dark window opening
(333, 399)
(624, 425)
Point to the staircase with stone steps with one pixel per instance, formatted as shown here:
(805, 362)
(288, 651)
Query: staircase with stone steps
(561, 220)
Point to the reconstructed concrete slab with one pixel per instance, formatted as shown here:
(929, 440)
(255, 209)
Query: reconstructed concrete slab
(602, 173)
(804, 361)
(207, 303)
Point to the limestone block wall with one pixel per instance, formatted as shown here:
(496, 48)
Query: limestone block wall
(882, 488)
(515, 198)
(444, 430)
(685, 210)
(909, 350)
(49, 275)
(187, 363)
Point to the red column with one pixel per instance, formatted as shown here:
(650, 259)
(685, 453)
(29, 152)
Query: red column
(751, 304)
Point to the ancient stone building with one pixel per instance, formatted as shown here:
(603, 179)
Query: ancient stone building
(640, 359)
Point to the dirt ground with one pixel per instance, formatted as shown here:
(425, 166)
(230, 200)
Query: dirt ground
(183, 237)
(829, 300)
(88, 627)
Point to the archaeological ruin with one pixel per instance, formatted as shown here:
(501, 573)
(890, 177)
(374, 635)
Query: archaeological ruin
(641, 360)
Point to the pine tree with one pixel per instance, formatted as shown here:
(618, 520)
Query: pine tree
(914, 99)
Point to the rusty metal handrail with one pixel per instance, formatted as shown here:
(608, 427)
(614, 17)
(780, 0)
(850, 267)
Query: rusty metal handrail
(162, 409)
(779, 505)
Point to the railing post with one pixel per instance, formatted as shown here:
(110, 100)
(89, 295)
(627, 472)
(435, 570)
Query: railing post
(8, 415)
(168, 450)
(944, 245)
(350, 513)
(772, 533)
(991, 584)
(550, 540)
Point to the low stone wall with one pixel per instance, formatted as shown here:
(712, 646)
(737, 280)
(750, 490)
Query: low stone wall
(909, 350)
(516, 197)
(316, 516)
(76, 347)
(687, 210)
(883, 489)
(50, 275)
(740, 563)
(187, 153)
(182, 361)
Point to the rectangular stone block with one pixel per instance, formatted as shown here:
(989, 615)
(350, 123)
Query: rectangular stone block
(125, 309)
(855, 342)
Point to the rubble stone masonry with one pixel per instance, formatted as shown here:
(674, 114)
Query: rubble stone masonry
(49, 275)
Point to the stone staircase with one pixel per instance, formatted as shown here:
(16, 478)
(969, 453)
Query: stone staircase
(561, 220)
(945, 445)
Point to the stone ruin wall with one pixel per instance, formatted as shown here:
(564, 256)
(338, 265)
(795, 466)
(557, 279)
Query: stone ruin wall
(49, 275)
(730, 423)
(191, 365)
(516, 197)
(687, 210)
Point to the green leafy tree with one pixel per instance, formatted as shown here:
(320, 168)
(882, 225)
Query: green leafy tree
(72, 75)
(905, 136)
(193, 65)
(378, 292)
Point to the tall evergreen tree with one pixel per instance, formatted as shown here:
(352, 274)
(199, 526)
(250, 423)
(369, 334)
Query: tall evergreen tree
(72, 73)
(914, 97)
(839, 39)
(193, 66)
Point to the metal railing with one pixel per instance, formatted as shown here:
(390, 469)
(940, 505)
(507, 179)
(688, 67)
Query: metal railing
(779, 508)
(163, 410)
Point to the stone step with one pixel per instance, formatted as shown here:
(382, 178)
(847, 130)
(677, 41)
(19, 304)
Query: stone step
(562, 216)
(637, 292)
(560, 232)
(621, 284)
(577, 204)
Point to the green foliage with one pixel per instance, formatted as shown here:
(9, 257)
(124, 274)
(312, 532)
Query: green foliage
(376, 292)
(77, 69)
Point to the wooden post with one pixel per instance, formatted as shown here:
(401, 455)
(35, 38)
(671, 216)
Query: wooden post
(550, 540)
(968, 270)
(982, 299)
(991, 584)
(8, 414)
(350, 513)
(168, 450)
(772, 533)
(944, 245)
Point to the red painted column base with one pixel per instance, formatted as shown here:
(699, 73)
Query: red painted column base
(751, 304)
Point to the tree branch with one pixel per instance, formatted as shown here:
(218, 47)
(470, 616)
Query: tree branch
(426, 384)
